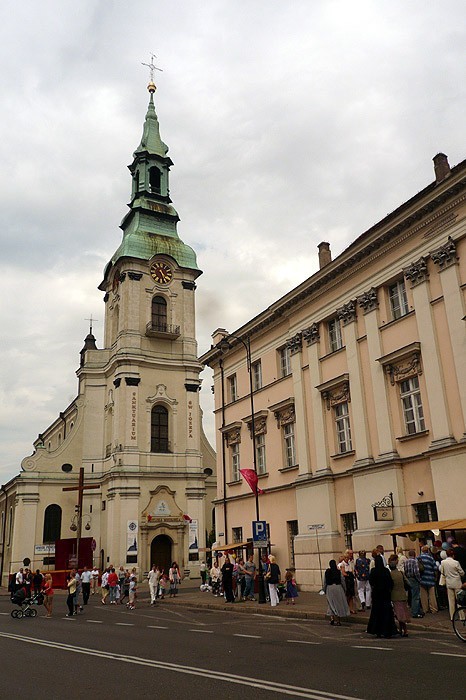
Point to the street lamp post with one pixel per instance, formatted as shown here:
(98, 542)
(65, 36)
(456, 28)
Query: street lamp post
(224, 346)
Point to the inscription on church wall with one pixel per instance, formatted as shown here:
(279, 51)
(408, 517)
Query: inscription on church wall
(190, 420)
(133, 415)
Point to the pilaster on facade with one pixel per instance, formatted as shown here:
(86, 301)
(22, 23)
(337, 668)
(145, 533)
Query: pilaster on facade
(319, 425)
(362, 442)
(446, 260)
(435, 384)
(383, 419)
(301, 437)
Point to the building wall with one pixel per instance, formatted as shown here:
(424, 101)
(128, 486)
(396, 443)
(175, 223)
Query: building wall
(422, 247)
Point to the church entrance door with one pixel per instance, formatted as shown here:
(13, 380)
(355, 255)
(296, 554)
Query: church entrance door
(161, 552)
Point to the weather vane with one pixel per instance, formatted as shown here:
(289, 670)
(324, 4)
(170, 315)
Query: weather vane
(151, 66)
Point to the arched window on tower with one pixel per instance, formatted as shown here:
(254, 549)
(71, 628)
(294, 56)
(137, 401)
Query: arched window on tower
(155, 178)
(159, 314)
(52, 523)
(159, 429)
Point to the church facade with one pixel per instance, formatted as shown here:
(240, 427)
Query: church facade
(136, 424)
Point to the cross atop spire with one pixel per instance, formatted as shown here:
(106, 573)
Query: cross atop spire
(90, 323)
(152, 67)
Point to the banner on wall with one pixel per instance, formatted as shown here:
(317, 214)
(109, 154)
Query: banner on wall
(132, 537)
(193, 537)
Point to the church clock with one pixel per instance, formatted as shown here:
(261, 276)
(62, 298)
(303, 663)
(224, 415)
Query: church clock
(161, 272)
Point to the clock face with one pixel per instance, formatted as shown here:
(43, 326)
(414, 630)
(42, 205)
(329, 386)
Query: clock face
(161, 272)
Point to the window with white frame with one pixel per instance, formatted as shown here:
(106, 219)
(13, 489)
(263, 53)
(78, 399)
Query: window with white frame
(289, 444)
(335, 341)
(343, 428)
(234, 452)
(232, 388)
(285, 361)
(411, 402)
(398, 299)
(259, 441)
(256, 375)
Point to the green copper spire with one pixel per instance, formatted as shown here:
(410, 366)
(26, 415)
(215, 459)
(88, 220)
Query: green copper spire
(151, 141)
(149, 228)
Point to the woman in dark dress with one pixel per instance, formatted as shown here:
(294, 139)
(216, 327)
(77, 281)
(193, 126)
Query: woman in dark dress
(227, 579)
(382, 619)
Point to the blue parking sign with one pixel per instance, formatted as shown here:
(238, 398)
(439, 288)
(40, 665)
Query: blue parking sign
(259, 533)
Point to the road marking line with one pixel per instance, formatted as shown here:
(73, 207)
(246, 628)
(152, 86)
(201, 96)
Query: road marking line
(95, 622)
(156, 627)
(357, 646)
(4, 613)
(444, 653)
(249, 636)
(202, 631)
(211, 674)
(301, 641)
(125, 624)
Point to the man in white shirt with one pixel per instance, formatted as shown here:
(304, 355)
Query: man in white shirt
(19, 579)
(153, 578)
(94, 579)
(86, 584)
(104, 586)
(452, 571)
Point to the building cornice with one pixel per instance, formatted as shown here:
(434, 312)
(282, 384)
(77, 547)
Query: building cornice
(397, 226)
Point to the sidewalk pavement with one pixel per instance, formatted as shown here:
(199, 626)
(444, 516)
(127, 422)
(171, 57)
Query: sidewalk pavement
(309, 606)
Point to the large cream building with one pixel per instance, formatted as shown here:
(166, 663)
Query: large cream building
(359, 392)
(135, 424)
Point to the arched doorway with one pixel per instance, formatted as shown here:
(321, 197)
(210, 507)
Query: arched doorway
(161, 552)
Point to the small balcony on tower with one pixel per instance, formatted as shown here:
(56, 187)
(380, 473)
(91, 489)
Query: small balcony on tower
(162, 330)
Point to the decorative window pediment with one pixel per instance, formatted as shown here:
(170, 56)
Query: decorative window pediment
(232, 433)
(403, 363)
(335, 391)
(260, 423)
(284, 412)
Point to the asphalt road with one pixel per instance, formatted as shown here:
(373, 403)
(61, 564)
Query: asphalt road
(109, 651)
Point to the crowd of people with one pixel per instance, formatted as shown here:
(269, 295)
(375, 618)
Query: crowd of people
(236, 579)
(397, 587)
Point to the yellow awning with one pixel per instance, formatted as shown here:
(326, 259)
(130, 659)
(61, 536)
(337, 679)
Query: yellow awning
(229, 547)
(425, 527)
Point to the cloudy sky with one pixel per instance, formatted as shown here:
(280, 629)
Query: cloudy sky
(289, 123)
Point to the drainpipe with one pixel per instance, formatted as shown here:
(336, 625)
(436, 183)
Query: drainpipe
(224, 466)
(2, 489)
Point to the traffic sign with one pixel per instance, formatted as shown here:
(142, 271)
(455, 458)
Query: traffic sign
(259, 533)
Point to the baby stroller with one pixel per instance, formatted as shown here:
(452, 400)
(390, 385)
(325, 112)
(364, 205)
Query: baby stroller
(25, 604)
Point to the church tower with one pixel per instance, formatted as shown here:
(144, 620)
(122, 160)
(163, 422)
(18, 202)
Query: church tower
(136, 424)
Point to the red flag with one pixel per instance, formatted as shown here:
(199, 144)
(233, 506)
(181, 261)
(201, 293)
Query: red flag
(250, 476)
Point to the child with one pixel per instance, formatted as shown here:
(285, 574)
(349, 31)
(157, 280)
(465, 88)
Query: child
(291, 588)
(163, 585)
(132, 592)
(48, 594)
